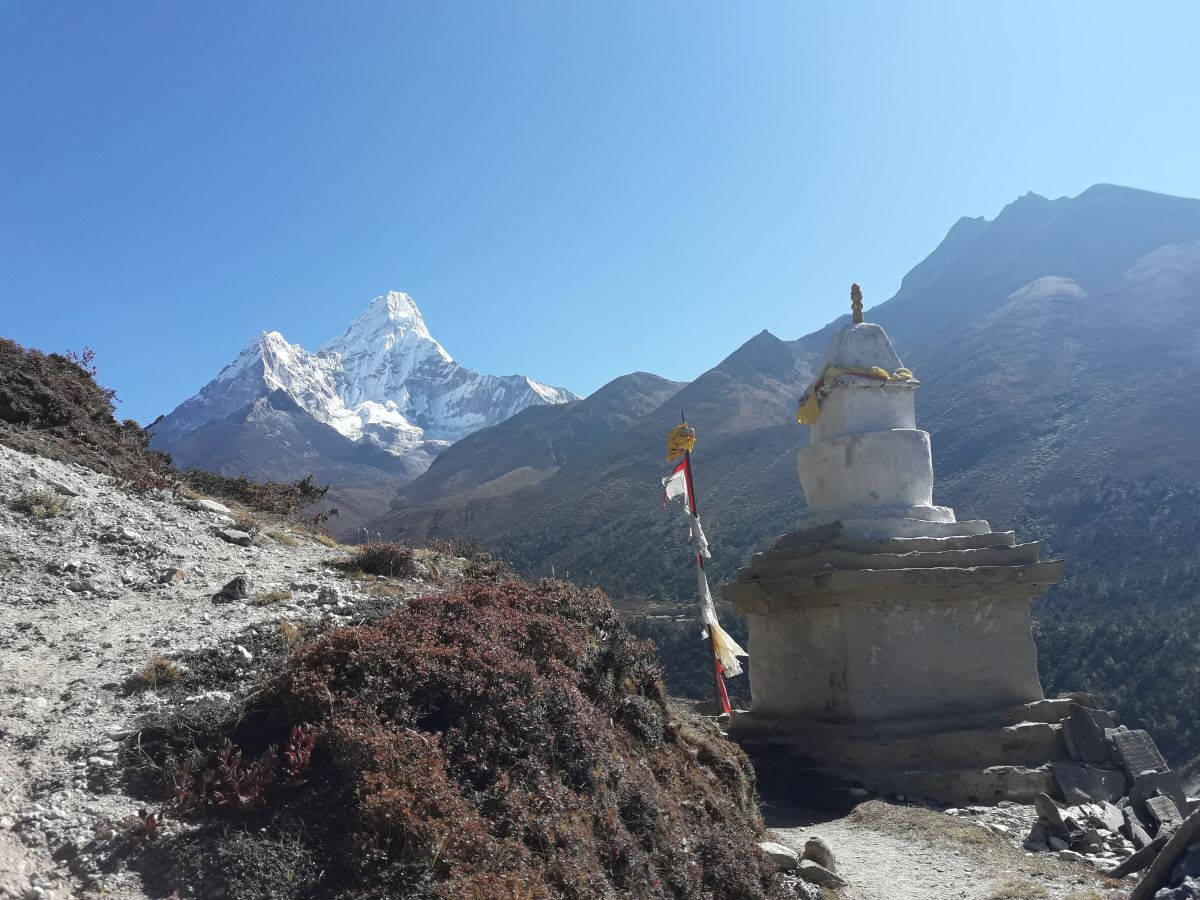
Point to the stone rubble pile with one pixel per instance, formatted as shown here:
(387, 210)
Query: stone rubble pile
(809, 871)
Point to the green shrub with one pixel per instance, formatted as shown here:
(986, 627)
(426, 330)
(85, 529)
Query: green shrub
(40, 504)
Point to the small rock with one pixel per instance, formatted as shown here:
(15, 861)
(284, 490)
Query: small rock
(820, 852)
(1071, 856)
(241, 538)
(784, 857)
(857, 792)
(63, 488)
(329, 595)
(1056, 843)
(214, 696)
(81, 586)
(6, 823)
(237, 588)
(815, 873)
(211, 506)
(171, 575)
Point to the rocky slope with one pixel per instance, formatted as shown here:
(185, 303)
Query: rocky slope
(94, 589)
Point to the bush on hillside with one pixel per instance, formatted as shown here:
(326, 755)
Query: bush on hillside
(280, 498)
(506, 740)
(381, 558)
(52, 405)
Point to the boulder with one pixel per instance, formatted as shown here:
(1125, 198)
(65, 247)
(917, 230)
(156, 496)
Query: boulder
(241, 538)
(815, 873)
(211, 506)
(171, 575)
(785, 858)
(820, 852)
(237, 588)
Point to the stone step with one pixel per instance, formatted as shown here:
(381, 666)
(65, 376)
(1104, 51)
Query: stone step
(1018, 554)
(1025, 744)
(963, 787)
(789, 546)
(772, 596)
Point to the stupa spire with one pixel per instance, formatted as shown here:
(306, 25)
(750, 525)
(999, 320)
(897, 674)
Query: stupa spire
(856, 303)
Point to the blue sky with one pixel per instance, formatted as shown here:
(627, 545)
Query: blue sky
(570, 190)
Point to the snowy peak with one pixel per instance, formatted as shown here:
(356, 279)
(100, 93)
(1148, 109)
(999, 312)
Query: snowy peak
(386, 381)
(391, 320)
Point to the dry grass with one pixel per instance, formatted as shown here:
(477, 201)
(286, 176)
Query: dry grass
(269, 597)
(326, 540)
(290, 632)
(40, 504)
(1018, 889)
(282, 537)
(1084, 895)
(972, 834)
(159, 670)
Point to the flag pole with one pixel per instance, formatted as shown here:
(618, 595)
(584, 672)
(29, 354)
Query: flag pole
(722, 694)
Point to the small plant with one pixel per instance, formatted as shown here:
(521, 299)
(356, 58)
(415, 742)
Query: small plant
(282, 537)
(40, 504)
(298, 755)
(231, 784)
(269, 597)
(972, 834)
(325, 540)
(159, 670)
(1017, 889)
(290, 632)
(381, 558)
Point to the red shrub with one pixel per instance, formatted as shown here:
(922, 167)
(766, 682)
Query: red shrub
(509, 741)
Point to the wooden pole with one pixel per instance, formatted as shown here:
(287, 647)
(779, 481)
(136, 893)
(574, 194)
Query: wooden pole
(694, 509)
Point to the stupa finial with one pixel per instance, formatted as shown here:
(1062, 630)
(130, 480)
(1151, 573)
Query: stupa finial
(856, 303)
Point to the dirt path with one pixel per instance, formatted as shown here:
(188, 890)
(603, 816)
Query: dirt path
(897, 852)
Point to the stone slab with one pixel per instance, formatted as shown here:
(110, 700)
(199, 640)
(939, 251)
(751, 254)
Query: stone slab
(1018, 554)
(1137, 752)
(791, 594)
(1135, 828)
(1084, 733)
(1164, 812)
(1088, 784)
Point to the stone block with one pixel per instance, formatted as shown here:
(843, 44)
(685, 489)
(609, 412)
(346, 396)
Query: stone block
(1084, 731)
(1137, 752)
(1164, 812)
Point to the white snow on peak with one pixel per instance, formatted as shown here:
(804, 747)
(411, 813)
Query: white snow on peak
(386, 379)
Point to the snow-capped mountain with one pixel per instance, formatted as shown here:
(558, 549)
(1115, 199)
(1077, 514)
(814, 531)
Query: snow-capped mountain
(385, 388)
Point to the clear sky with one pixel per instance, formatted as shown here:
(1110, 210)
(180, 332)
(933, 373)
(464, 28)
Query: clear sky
(570, 190)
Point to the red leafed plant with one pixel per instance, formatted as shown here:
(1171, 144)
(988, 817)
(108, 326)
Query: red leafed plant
(298, 755)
